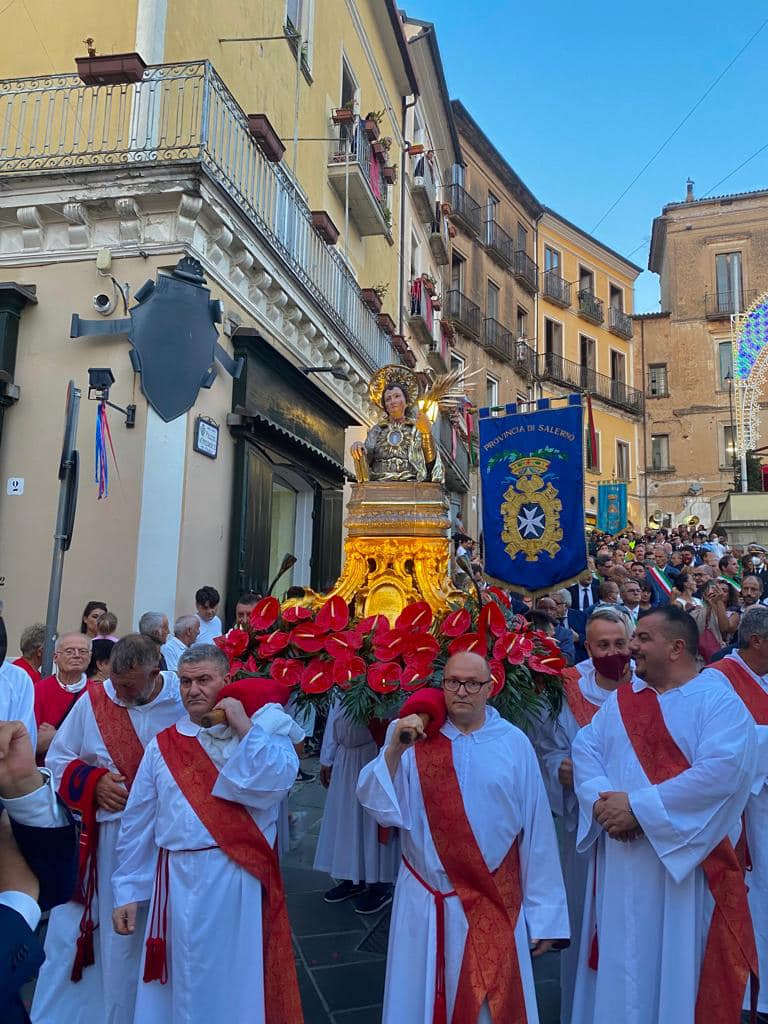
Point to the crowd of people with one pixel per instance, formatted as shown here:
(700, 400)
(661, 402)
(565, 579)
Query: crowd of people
(168, 904)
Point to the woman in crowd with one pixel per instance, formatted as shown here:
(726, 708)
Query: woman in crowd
(715, 619)
(90, 617)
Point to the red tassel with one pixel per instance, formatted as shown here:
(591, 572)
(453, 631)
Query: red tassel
(384, 835)
(593, 953)
(155, 964)
(84, 957)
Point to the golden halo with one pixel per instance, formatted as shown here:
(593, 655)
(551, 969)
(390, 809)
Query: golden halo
(394, 374)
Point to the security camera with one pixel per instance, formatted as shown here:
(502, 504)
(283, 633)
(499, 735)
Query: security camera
(104, 304)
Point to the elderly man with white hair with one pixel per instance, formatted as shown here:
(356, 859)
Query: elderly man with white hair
(185, 631)
(155, 626)
(55, 695)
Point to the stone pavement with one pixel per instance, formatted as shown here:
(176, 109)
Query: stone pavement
(340, 982)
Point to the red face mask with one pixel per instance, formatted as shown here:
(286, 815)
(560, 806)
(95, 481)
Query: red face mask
(611, 666)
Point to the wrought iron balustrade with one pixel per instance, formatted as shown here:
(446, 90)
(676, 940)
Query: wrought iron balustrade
(464, 208)
(590, 307)
(462, 312)
(552, 366)
(556, 288)
(497, 339)
(720, 305)
(619, 322)
(498, 243)
(526, 271)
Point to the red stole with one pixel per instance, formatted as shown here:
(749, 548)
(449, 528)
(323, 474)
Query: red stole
(238, 835)
(490, 969)
(750, 691)
(583, 710)
(730, 955)
(116, 728)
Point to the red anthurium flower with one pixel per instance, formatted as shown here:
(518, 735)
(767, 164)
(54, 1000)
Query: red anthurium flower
(515, 647)
(286, 670)
(547, 643)
(456, 623)
(473, 642)
(346, 669)
(492, 619)
(549, 665)
(234, 643)
(502, 596)
(416, 617)
(499, 677)
(317, 676)
(273, 643)
(384, 677)
(415, 675)
(371, 623)
(264, 614)
(341, 645)
(334, 615)
(297, 614)
(390, 645)
(308, 637)
(422, 647)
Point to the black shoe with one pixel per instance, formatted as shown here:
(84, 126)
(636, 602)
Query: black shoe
(306, 776)
(344, 891)
(375, 899)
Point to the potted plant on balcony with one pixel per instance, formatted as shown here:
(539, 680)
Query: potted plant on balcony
(389, 174)
(387, 214)
(373, 297)
(325, 227)
(344, 115)
(265, 137)
(386, 323)
(409, 359)
(415, 148)
(109, 69)
(399, 344)
(372, 124)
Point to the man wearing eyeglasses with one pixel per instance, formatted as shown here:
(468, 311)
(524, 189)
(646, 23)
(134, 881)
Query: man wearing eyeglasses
(479, 889)
(55, 695)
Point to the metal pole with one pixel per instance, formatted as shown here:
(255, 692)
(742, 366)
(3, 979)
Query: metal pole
(736, 293)
(59, 537)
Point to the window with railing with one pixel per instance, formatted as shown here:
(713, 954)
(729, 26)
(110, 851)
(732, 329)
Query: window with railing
(659, 452)
(728, 270)
(657, 381)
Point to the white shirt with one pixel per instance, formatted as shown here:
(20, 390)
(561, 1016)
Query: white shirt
(172, 650)
(17, 698)
(208, 630)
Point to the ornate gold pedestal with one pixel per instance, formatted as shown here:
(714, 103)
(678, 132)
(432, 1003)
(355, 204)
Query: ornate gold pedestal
(397, 549)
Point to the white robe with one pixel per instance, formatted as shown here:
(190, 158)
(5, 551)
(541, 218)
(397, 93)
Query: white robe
(552, 740)
(653, 905)
(348, 846)
(106, 992)
(17, 698)
(757, 841)
(214, 940)
(504, 800)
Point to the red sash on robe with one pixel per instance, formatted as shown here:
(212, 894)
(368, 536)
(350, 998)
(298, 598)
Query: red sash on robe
(583, 710)
(750, 691)
(490, 969)
(116, 728)
(730, 955)
(238, 835)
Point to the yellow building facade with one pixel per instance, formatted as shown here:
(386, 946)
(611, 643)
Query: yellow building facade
(585, 343)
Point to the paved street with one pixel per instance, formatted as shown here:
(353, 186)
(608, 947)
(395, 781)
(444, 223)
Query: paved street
(342, 981)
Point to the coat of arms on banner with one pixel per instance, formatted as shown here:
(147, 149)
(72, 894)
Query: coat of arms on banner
(531, 511)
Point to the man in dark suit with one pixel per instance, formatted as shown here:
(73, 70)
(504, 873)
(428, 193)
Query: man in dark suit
(584, 592)
(38, 863)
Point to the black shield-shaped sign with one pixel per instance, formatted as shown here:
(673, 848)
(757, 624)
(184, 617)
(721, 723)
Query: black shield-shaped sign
(174, 337)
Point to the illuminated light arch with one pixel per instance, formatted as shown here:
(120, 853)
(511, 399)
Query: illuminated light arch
(749, 341)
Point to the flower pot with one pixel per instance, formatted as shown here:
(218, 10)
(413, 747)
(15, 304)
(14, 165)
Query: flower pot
(372, 299)
(325, 227)
(409, 359)
(386, 323)
(378, 149)
(265, 137)
(399, 344)
(342, 115)
(111, 69)
(415, 149)
(371, 128)
(389, 174)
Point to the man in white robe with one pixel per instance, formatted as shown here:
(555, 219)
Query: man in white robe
(211, 966)
(747, 671)
(649, 905)
(487, 806)
(351, 846)
(586, 687)
(139, 699)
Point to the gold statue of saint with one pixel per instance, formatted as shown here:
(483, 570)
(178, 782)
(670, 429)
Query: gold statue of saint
(400, 447)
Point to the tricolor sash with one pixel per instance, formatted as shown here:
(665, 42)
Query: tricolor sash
(661, 579)
(490, 970)
(750, 691)
(733, 582)
(583, 710)
(730, 956)
(237, 834)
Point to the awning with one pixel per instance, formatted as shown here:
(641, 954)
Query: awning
(243, 417)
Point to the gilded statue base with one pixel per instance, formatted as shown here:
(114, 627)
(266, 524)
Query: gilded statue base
(397, 549)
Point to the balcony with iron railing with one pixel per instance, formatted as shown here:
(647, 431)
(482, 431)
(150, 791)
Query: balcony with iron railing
(464, 209)
(462, 313)
(590, 307)
(619, 322)
(526, 271)
(423, 186)
(454, 454)
(553, 367)
(720, 305)
(421, 317)
(497, 339)
(354, 171)
(183, 115)
(525, 359)
(556, 289)
(498, 243)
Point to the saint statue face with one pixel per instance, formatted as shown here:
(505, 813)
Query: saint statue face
(394, 402)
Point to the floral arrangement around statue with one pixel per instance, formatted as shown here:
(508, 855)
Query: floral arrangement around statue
(373, 667)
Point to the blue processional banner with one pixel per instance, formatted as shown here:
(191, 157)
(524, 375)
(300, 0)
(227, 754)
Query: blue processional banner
(532, 480)
(611, 507)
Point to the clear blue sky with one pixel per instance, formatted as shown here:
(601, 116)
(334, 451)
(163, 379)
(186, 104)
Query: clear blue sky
(577, 96)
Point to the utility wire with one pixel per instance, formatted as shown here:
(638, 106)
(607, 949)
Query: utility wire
(687, 117)
(730, 174)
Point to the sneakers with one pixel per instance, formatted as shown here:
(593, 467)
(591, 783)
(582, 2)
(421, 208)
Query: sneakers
(306, 776)
(376, 898)
(344, 891)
